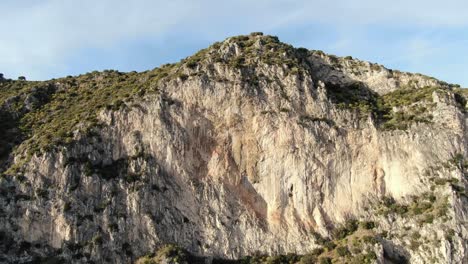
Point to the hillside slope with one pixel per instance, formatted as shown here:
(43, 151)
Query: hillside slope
(248, 147)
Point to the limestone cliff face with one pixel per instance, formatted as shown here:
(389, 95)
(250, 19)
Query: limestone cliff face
(229, 161)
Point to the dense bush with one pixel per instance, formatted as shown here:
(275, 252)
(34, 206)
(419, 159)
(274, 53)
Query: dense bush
(394, 110)
(347, 229)
(342, 251)
(367, 225)
(325, 260)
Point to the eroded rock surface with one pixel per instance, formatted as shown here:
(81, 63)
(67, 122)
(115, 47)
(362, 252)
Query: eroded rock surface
(229, 160)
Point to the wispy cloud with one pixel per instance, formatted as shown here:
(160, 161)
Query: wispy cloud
(49, 37)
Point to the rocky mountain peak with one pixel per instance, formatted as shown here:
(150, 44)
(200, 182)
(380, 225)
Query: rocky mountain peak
(250, 148)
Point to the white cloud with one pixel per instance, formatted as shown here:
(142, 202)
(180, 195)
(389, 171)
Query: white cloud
(396, 12)
(40, 36)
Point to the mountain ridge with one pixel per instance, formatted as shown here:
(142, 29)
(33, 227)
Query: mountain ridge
(249, 146)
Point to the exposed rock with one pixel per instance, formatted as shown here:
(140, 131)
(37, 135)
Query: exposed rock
(241, 150)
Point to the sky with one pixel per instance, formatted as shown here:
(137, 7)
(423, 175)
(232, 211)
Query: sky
(44, 39)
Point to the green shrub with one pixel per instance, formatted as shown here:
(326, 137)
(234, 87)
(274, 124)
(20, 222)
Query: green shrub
(352, 225)
(172, 252)
(308, 259)
(384, 234)
(183, 76)
(369, 240)
(413, 104)
(303, 51)
(421, 207)
(364, 258)
(191, 64)
(414, 245)
(317, 251)
(349, 228)
(416, 236)
(449, 235)
(428, 219)
(342, 251)
(325, 260)
(319, 239)
(238, 62)
(329, 245)
(367, 225)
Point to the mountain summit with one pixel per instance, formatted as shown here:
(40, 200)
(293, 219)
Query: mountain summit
(249, 151)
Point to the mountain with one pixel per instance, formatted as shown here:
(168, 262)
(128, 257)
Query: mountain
(249, 151)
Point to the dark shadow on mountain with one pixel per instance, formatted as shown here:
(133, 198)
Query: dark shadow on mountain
(394, 253)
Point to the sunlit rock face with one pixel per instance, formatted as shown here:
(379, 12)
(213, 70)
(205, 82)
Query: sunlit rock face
(230, 160)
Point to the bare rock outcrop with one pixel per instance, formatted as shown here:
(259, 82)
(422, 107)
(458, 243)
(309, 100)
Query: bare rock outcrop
(241, 150)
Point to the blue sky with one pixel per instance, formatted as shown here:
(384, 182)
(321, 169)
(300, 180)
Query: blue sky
(43, 39)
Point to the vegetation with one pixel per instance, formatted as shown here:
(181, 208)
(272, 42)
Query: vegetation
(412, 105)
(172, 254)
(394, 110)
(332, 251)
(367, 225)
(336, 251)
(342, 251)
(353, 241)
(347, 229)
(304, 120)
(424, 208)
(45, 114)
(50, 114)
(292, 60)
(457, 162)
